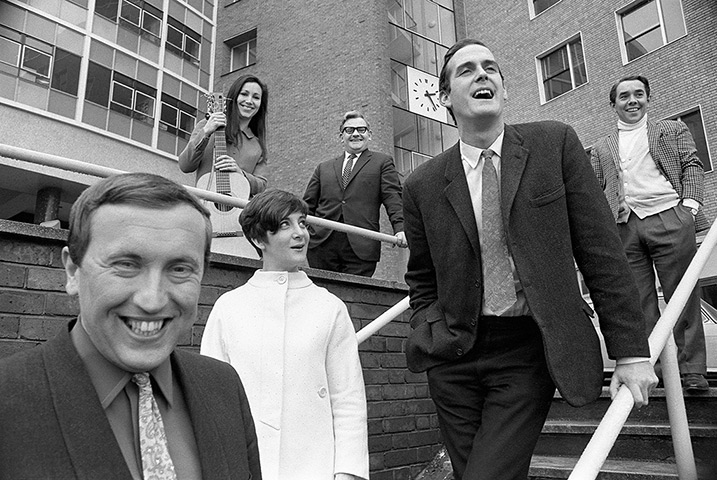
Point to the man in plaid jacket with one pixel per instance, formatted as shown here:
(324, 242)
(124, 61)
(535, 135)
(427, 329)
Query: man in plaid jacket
(654, 185)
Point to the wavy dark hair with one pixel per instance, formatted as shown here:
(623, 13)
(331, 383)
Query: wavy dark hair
(257, 122)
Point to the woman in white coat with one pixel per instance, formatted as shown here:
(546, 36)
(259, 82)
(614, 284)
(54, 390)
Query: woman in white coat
(295, 349)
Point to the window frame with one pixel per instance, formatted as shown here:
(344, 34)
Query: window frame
(568, 46)
(697, 109)
(531, 8)
(242, 40)
(635, 6)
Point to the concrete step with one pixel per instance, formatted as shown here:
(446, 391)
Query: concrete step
(637, 441)
(557, 467)
(701, 408)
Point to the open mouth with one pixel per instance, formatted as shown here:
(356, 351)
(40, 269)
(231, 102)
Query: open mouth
(144, 328)
(298, 247)
(483, 94)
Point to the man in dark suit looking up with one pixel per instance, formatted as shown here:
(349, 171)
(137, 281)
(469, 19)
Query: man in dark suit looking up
(350, 189)
(498, 319)
(110, 397)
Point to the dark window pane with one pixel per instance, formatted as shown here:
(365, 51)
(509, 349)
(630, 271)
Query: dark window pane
(122, 94)
(555, 63)
(174, 37)
(107, 8)
(558, 85)
(169, 114)
(192, 47)
(579, 73)
(542, 5)
(36, 61)
(98, 84)
(131, 12)
(152, 24)
(144, 104)
(646, 43)
(693, 120)
(66, 72)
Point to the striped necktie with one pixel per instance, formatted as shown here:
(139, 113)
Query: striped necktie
(347, 170)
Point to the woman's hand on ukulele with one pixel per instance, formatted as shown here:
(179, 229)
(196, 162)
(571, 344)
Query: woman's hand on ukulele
(215, 120)
(225, 163)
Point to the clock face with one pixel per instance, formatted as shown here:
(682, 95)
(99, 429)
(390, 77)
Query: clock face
(423, 95)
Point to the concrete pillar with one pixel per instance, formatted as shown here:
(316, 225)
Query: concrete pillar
(47, 204)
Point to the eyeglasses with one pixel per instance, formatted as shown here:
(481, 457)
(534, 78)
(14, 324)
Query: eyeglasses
(350, 130)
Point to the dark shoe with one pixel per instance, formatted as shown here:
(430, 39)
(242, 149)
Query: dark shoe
(694, 382)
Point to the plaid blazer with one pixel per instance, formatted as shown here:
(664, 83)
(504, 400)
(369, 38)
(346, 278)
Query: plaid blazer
(674, 152)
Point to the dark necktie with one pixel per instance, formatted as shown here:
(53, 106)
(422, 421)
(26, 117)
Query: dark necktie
(347, 170)
(499, 291)
(156, 462)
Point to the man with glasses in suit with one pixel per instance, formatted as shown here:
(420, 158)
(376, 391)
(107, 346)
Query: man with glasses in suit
(350, 189)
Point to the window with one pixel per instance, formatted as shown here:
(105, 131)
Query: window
(132, 98)
(562, 69)
(66, 72)
(539, 6)
(183, 41)
(693, 120)
(243, 50)
(107, 8)
(143, 16)
(177, 117)
(433, 20)
(647, 25)
(98, 84)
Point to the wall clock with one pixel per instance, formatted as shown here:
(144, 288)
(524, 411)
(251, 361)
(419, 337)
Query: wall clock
(423, 95)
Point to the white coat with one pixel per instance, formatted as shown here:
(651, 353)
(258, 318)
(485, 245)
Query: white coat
(294, 347)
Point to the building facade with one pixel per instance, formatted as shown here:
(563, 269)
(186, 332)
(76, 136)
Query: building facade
(120, 83)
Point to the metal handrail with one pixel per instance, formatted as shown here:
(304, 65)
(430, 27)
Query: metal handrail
(100, 171)
(597, 450)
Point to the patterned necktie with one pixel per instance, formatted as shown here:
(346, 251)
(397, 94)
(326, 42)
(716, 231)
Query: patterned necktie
(156, 462)
(347, 170)
(498, 291)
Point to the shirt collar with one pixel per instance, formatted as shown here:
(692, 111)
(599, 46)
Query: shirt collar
(471, 154)
(247, 132)
(346, 155)
(108, 379)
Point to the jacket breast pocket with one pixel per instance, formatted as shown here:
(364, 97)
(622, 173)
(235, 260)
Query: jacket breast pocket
(548, 197)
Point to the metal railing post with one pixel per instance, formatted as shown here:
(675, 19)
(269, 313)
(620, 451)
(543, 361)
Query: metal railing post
(382, 320)
(677, 413)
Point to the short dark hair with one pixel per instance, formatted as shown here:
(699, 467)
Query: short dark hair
(444, 83)
(144, 190)
(266, 211)
(613, 90)
(350, 115)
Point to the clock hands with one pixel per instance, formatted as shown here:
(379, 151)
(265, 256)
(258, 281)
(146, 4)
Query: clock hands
(430, 97)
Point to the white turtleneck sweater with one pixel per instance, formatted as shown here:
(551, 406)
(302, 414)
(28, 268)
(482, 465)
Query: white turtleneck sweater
(644, 190)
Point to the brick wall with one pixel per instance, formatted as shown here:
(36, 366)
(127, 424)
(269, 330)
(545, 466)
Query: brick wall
(403, 430)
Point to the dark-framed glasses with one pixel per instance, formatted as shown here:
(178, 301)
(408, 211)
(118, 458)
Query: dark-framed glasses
(350, 130)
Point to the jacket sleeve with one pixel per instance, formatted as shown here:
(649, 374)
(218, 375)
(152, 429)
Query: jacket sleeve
(692, 171)
(192, 155)
(348, 398)
(420, 275)
(313, 190)
(391, 194)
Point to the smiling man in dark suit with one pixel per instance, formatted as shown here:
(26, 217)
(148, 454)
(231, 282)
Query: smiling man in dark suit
(351, 189)
(498, 319)
(111, 397)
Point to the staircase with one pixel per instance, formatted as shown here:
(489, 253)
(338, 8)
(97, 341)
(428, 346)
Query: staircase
(643, 450)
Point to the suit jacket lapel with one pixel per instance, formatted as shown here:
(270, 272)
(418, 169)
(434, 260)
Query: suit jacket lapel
(613, 143)
(338, 167)
(212, 454)
(360, 163)
(653, 139)
(90, 442)
(512, 165)
(459, 196)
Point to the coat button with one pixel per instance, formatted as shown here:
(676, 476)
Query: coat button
(459, 352)
(474, 322)
(322, 392)
(281, 279)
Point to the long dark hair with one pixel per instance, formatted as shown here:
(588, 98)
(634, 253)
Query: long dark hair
(257, 122)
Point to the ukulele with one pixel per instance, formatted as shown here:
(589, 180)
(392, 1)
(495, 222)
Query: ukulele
(225, 218)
